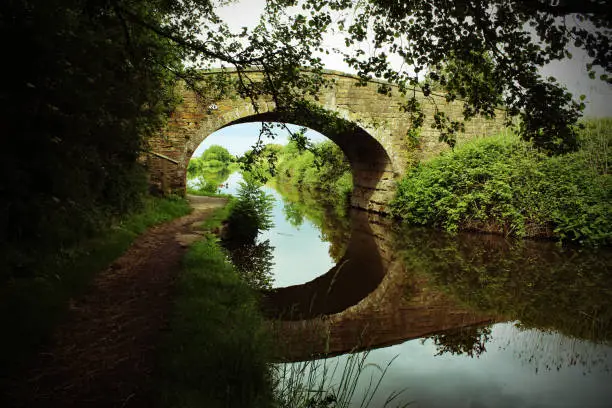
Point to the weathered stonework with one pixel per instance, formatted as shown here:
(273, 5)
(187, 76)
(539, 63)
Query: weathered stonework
(377, 148)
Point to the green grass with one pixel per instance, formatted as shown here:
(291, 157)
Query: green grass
(216, 352)
(336, 382)
(31, 307)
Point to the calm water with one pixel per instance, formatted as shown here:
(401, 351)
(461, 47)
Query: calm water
(464, 321)
(300, 255)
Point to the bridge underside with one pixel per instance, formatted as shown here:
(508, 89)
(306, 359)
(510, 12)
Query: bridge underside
(371, 167)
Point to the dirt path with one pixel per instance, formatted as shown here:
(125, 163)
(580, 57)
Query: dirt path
(103, 354)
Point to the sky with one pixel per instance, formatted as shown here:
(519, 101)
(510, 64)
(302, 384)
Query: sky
(237, 139)
(245, 13)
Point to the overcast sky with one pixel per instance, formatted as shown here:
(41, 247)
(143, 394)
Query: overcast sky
(570, 73)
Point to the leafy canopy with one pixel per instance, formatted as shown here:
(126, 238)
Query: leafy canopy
(486, 53)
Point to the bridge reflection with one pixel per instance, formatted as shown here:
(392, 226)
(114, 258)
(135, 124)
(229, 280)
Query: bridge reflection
(367, 300)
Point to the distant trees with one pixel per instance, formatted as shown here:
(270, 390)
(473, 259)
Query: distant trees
(218, 153)
(324, 167)
(214, 159)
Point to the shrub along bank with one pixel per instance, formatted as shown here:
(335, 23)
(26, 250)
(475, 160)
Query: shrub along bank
(502, 184)
(321, 169)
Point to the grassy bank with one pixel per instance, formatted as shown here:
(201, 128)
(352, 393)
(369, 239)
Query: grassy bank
(216, 351)
(501, 184)
(31, 307)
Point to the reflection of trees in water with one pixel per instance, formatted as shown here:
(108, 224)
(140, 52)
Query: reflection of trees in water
(551, 351)
(254, 262)
(539, 283)
(209, 179)
(470, 341)
(293, 214)
(328, 213)
(250, 214)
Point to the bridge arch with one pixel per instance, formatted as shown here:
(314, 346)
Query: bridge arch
(369, 127)
(371, 166)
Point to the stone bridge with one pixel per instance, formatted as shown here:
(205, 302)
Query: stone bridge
(375, 144)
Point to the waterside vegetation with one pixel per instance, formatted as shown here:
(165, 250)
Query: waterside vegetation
(320, 168)
(504, 185)
(216, 352)
(497, 184)
(219, 351)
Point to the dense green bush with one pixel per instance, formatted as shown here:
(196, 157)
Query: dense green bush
(76, 111)
(595, 141)
(501, 184)
(249, 214)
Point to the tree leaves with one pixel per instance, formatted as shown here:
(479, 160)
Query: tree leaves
(490, 55)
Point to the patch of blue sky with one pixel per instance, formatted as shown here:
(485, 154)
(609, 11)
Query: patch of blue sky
(240, 138)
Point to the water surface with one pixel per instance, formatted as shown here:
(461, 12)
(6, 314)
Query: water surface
(467, 320)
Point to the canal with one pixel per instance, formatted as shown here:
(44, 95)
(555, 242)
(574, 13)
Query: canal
(440, 320)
